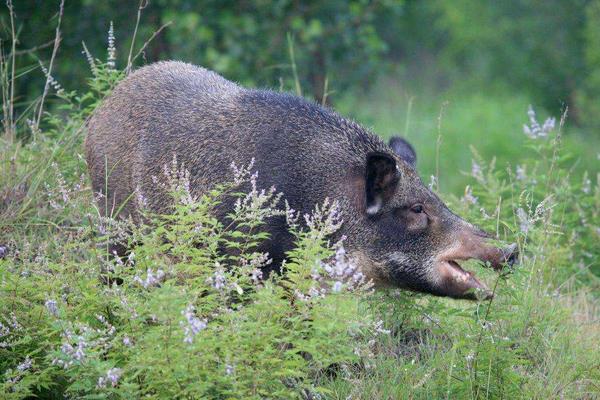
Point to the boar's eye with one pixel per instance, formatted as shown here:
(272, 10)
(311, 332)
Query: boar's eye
(417, 209)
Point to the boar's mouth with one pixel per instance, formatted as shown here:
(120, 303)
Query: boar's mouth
(459, 283)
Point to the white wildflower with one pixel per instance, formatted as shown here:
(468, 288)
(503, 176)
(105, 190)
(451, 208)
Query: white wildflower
(534, 130)
(432, 182)
(89, 58)
(342, 270)
(217, 280)
(379, 328)
(313, 292)
(152, 278)
(337, 287)
(300, 296)
(10, 326)
(241, 174)
(177, 179)
(112, 230)
(477, 171)
(548, 126)
(112, 377)
(51, 81)
(257, 262)
(110, 329)
(112, 51)
(325, 219)
(77, 340)
(520, 173)
(524, 220)
(484, 213)
(35, 130)
(256, 275)
(192, 325)
(71, 353)
(257, 205)
(25, 365)
(468, 198)
(291, 216)
(132, 312)
(52, 307)
(142, 200)
(470, 357)
(586, 187)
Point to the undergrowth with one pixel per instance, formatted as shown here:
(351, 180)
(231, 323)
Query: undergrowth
(538, 337)
(180, 317)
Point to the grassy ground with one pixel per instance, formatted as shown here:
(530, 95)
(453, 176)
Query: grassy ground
(545, 322)
(65, 332)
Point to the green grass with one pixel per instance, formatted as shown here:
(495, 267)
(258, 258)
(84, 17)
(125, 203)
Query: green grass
(543, 332)
(538, 338)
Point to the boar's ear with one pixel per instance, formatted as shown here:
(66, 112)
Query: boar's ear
(381, 179)
(404, 150)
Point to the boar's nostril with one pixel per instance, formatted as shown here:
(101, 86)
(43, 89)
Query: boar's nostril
(511, 254)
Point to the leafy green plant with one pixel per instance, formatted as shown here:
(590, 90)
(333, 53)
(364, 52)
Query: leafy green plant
(190, 311)
(188, 319)
(537, 338)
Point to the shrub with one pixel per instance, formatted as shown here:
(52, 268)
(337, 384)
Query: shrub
(188, 313)
(538, 337)
(188, 319)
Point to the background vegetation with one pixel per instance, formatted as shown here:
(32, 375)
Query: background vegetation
(456, 78)
(393, 65)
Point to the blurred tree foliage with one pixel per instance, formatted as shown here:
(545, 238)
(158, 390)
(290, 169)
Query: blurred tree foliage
(334, 39)
(588, 96)
(549, 49)
(245, 40)
(538, 45)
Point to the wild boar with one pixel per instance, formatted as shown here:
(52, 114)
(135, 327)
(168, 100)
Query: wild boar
(398, 230)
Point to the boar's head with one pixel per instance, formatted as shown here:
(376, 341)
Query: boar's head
(409, 238)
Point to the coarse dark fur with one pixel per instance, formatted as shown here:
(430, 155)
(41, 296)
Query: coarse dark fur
(396, 227)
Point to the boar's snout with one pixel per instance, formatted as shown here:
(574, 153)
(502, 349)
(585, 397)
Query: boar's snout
(471, 243)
